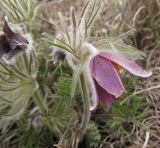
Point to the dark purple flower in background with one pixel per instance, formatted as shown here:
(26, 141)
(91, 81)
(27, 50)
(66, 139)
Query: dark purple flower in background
(11, 43)
(104, 69)
(58, 56)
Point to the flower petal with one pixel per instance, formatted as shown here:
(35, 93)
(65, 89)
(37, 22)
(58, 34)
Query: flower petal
(92, 92)
(6, 29)
(126, 63)
(17, 40)
(57, 56)
(14, 39)
(106, 98)
(106, 76)
(4, 46)
(9, 56)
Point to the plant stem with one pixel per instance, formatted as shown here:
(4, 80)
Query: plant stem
(78, 135)
(38, 101)
(86, 114)
(44, 110)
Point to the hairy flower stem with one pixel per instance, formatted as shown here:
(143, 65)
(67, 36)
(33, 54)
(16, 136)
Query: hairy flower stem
(42, 106)
(38, 101)
(44, 111)
(76, 135)
(86, 114)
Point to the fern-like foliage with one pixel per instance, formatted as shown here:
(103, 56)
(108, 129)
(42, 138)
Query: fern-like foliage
(60, 113)
(125, 116)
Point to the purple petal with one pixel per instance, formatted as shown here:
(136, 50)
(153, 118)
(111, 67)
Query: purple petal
(58, 56)
(106, 98)
(126, 63)
(106, 76)
(14, 39)
(7, 58)
(92, 90)
(6, 29)
(17, 40)
(4, 46)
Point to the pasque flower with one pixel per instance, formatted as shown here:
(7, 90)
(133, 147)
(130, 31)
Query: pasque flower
(104, 69)
(101, 69)
(11, 43)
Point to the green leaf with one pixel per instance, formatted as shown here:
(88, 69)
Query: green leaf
(21, 10)
(122, 48)
(117, 45)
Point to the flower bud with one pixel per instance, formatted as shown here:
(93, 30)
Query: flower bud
(11, 43)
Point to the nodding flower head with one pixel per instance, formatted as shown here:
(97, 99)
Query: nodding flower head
(101, 69)
(11, 43)
(105, 73)
(57, 56)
